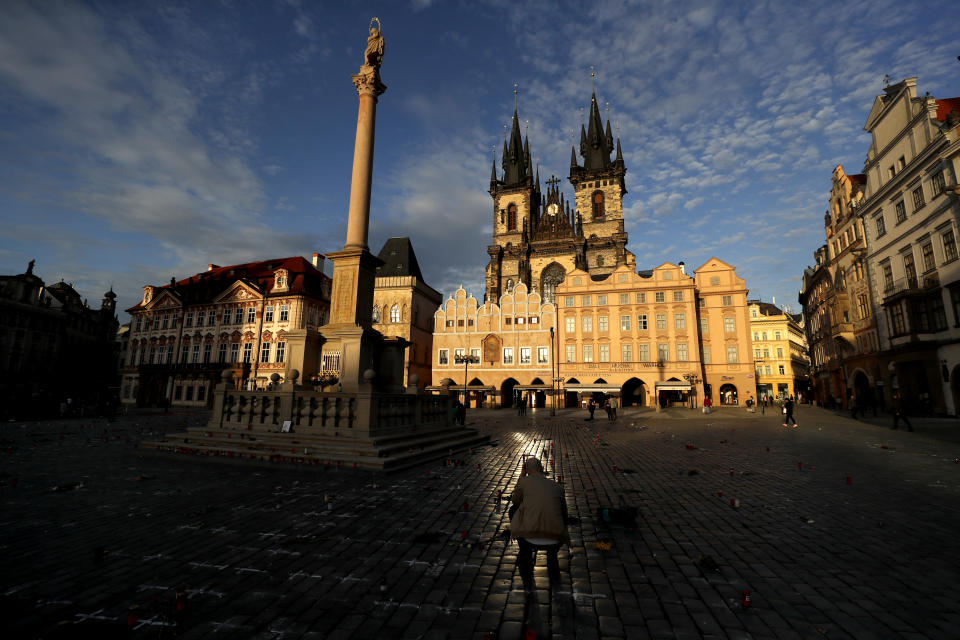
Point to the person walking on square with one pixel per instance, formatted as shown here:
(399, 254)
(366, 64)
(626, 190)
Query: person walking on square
(613, 408)
(853, 406)
(900, 413)
(538, 521)
(788, 413)
(606, 407)
(763, 405)
(591, 407)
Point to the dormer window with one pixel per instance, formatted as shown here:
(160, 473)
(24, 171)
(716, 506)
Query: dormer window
(281, 280)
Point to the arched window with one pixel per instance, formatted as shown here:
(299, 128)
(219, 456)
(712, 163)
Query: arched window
(598, 212)
(512, 217)
(549, 279)
(376, 313)
(395, 313)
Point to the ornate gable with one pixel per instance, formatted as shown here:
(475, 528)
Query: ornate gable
(239, 291)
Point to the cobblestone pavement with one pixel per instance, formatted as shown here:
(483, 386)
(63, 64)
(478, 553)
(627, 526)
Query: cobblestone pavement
(844, 530)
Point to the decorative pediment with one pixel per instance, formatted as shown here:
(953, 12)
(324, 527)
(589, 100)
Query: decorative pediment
(161, 299)
(239, 291)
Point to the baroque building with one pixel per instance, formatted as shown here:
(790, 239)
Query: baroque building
(779, 351)
(54, 347)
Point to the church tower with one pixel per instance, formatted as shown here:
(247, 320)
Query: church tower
(599, 188)
(516, 205)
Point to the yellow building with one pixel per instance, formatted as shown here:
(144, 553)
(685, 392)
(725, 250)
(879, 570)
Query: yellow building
(403, 305)
(779, 351)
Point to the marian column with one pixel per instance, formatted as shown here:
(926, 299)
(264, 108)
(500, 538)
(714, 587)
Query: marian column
(352, 346)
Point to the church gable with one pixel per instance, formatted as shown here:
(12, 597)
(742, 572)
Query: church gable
(237, 292)
(162, 301)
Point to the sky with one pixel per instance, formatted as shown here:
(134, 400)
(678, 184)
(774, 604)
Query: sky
(140, 141)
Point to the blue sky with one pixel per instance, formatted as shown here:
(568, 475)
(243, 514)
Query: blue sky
(143, 140)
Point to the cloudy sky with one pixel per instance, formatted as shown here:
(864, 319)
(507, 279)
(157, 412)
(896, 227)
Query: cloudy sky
(143, 140)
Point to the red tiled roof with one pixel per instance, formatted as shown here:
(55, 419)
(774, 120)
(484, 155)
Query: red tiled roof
(203, 287)
(945, 106)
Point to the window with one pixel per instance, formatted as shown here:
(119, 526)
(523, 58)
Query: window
(234, 351)
(265, 352)
(519, 320)
(928, 261)
(511, 217)
(449, 323)
(603, 324)
(679, 321)
(702, 302)
(779, 352)
(753, 313)
(568, 301)
(661, 321)
(909, 269)
(764, 335)
(714, 281)
(475, 353)
(524, 355)
(247, 351)
(395, 313)
(896, 319)
(756, 354)
(597, 202)
(162, 354)
(532, 320)
(624, 323)
(211, 318)
(585, 301)
(938, 183)
(881, 228)
(678, 296)
(284, 313)
(207, 349)
(570, 324)
(781, 369)
(642, 322)
(937, 312)
(704, 325)
(226, 316)
(887, 276)
(543, 356)
(727, 301)
(624, 297)
(252, 314)
(196, 354)
(188, 321)
(643, 353)
(949, 246)
(729, 325)
(918, 201)
(458, 354)
(660, 296)
(626, 353)
(588, 353)
(901, 212)
(601, 301)
(443, 356)
(268, 315)
(663, 352)
(139, 324)
(587, 324)
(604, 353)
(201, 393)
(508, 320)
(862, 307)
(508, 355)
(571, 353)
(732, 356)
(777, 335)
(682, 351)
(237, 315)
(706, 355)
(153, 354)
(766, 370)
(222, 352)
(641, 298)
(281, 351)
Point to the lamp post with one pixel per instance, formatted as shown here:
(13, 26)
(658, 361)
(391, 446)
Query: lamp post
(466, 360)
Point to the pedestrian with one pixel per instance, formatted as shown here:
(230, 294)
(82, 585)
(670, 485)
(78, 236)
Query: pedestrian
(591, 407)
(538, 522)
(707, 403)
(763, 405)
(900, 412)
(788, 413)
(606, 407)
(853, 406)
(613, 407)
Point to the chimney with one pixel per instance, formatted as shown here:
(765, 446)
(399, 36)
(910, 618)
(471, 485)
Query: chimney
(211, 267)
(318, 261)
(683, 268)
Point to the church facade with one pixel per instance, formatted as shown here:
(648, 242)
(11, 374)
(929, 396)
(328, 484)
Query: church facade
(565, 307)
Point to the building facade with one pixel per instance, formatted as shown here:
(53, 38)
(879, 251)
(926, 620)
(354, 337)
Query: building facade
(255, 319)
(779, 352)
(53, 347)
(404, 306)
(911, 210)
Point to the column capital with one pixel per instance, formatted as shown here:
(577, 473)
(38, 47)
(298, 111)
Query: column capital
(368, 82)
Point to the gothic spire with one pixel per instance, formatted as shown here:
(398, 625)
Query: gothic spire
(516, 157)
(493, 170)
(598, 143)
(573, 156)
(619, 152)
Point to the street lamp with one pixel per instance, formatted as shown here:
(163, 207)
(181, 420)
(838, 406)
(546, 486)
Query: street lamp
(466, 360)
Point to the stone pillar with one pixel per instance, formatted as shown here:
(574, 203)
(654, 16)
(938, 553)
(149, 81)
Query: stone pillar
(369, 88)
